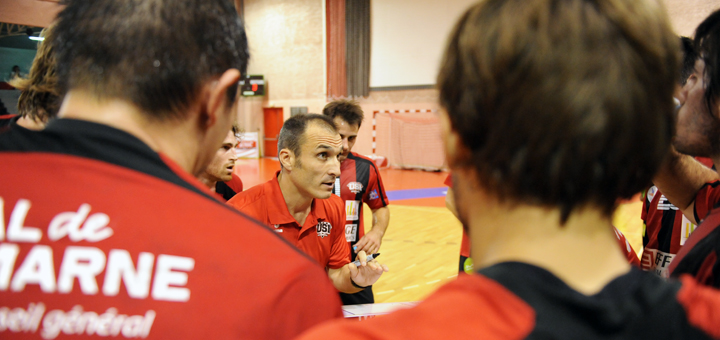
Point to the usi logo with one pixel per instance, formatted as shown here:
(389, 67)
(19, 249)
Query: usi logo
(323, 229)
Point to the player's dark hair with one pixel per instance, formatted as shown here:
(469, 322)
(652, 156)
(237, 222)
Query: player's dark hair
(349, 110)
(707, 44)
(690, 55)
(292, 134)
(155, 54)
(562, 103)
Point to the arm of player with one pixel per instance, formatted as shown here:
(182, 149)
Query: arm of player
(679, 179)
(367, 274)
(371, 241)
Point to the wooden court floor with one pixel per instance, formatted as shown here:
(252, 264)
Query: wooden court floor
(422, 244)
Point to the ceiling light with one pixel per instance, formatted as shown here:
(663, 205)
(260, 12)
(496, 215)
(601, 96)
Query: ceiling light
(37, 38)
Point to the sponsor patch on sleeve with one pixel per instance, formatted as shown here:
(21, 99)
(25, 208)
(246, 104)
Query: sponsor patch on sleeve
(374, 195)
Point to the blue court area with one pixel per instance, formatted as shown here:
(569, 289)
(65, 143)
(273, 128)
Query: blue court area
(407, 194)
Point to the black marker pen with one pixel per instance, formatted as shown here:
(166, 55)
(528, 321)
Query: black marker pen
(369, 258)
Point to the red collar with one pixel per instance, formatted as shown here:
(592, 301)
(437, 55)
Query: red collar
(278, 212)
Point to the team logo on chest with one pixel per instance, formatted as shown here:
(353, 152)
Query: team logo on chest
(323, 229)
(355, 187)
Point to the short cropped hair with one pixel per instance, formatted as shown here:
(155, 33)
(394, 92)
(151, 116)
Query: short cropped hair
(292, 134)
(689, 56)
(40, 93)
(155, 54)
(707, 38)
(349, 110)
(562, 103)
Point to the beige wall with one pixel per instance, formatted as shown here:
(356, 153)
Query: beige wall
(287, 46)
(686, 15)
(29, 12)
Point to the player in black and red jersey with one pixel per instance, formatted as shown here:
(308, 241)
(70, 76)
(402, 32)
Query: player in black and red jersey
(359, 183)
(665, 227)
(105, 230)
(553, 111)
(691, 187)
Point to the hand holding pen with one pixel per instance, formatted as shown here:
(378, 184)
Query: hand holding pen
(368, 259)
(365, 271)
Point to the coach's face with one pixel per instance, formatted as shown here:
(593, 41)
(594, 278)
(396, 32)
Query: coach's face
(314, 171)
(696, 125)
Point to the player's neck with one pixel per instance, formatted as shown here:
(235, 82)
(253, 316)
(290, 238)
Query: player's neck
(30, 124)
(173, 138)
(297, 203)
(207, 181)
(583, 252)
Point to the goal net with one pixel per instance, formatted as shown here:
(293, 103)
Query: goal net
(408, 139)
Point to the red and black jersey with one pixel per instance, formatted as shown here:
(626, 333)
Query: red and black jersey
(626, 248)
(706, 200)
(515, 300)
(100, 236)
(229, 189)
(699, 256)
(665, 229)
(359, 182)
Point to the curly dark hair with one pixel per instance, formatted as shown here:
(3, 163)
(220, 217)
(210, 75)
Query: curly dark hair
(349, 110)
(707, 44)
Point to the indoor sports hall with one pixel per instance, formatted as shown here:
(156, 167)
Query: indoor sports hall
(382, 53)
(422, 243)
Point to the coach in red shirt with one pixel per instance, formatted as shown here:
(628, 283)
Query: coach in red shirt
(298, 202)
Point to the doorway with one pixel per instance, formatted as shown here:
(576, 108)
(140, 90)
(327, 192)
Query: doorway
(273, 122)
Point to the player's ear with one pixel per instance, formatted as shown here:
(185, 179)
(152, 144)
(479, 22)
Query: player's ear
(287, 158)
(214, 97)
(217, 92)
